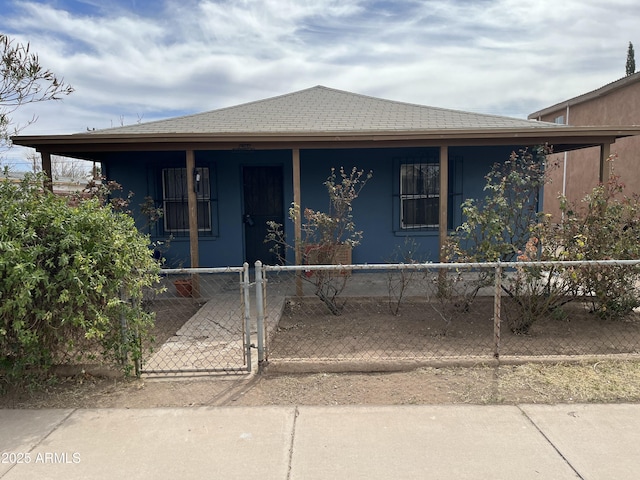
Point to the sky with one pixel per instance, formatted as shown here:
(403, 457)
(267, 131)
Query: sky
(144, 60)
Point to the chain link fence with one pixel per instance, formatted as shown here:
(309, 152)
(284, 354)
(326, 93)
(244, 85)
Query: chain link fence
(365, 316)
(202, 322)
(382, 317)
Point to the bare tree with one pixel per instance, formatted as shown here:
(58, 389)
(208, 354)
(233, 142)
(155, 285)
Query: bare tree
(22, 81)
(63, 167)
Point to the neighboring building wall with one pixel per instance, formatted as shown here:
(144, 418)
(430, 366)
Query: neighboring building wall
(617, 107)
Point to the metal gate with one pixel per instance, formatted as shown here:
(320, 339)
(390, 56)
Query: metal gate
(202, 322)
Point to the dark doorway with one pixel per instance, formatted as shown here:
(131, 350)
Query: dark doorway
(263, 202)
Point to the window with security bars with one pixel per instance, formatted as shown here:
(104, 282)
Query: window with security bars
(419, 195)
(175, 203)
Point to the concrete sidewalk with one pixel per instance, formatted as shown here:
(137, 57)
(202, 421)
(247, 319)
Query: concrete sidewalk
(387, 442)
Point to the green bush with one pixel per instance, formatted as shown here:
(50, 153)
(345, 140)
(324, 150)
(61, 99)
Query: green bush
(503, 226)
(70, 276)
(498, 226)
(507, 226)
(604, 226)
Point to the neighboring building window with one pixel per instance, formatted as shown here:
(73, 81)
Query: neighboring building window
(419, 195)
(175, 203)
(559, 120)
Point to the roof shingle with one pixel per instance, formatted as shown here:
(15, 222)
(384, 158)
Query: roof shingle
(321, 109)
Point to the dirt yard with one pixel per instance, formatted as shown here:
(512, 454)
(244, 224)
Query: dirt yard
(606, 381)
(423, 330)
(365, 331)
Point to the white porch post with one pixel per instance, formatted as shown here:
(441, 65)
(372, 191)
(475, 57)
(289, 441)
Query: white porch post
(444, 196)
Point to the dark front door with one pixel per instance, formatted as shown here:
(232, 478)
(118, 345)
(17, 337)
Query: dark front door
(263, 202)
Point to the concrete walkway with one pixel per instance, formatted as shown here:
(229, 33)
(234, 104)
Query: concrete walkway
(213, 338)
(387, 442)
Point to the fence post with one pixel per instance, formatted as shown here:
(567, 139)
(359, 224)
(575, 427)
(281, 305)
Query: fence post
(246, 289)
(124, 332)
(497, 302)
(137, 365)
(260, 314)
(135, 336)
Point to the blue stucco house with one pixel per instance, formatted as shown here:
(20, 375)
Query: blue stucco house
(219, 176)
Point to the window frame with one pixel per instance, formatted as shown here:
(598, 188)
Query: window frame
(430, 193)
(177, 195)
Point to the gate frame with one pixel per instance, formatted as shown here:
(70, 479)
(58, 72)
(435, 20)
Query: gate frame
(245, 303)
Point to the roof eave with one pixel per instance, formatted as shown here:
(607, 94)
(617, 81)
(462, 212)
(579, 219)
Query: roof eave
(585, 97)
(40, 141)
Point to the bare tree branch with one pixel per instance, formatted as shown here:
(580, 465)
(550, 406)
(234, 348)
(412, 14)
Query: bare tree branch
(22, 81)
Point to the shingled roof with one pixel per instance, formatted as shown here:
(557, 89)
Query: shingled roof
(322, 109)
(322, 117)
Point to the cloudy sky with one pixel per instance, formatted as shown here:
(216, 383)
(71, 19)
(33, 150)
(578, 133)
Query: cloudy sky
(132, 60)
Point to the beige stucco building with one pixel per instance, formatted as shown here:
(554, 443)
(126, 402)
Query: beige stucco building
(578, 171)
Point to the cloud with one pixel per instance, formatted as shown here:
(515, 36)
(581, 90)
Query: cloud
(153, 60)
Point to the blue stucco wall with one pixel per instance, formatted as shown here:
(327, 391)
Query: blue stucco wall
(141, 174)
(376, 211)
